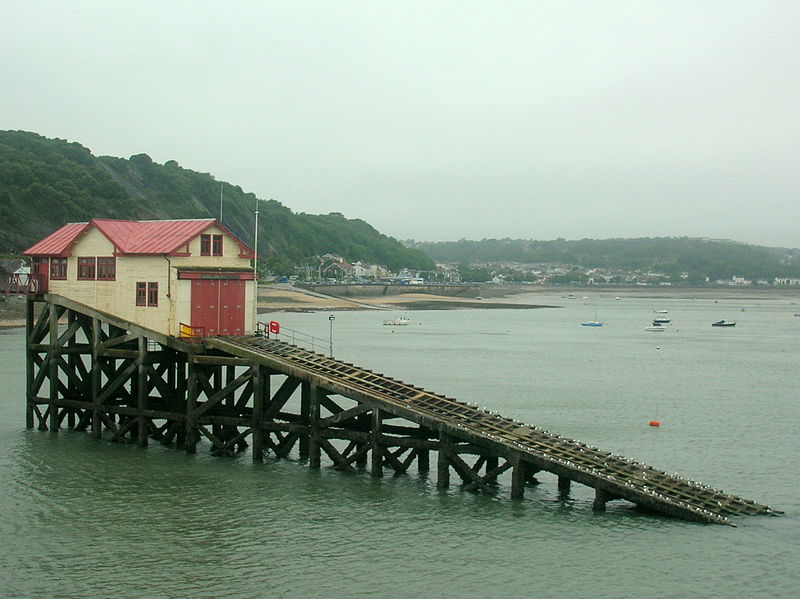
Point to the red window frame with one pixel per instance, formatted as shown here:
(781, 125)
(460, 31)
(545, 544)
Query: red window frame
(58, 269)
(106, 269)
(141, 293)
(87, 268)
(205, 245)
(216, 245)
(152, 294)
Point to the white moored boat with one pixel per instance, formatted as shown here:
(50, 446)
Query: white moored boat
(397, 322)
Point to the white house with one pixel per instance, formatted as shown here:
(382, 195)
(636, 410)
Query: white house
(166, 275)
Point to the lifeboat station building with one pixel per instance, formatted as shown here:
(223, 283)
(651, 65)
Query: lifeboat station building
(171, 276)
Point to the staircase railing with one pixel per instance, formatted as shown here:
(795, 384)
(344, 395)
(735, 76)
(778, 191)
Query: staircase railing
(273, 330)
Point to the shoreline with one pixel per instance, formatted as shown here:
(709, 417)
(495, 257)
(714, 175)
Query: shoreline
(287, 298)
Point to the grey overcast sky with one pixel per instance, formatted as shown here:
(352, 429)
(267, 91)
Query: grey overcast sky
(439, 120)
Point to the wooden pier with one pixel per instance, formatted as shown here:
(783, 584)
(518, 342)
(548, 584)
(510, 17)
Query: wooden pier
(90, 371)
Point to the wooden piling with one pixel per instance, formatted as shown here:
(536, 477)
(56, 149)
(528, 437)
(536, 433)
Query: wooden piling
(100, 372)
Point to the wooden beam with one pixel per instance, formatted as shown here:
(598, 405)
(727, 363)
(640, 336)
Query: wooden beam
(344, 415)
(219, 360)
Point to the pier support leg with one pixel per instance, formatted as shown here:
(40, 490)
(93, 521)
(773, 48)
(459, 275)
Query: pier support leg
(601, 497)
(443, 461)
(29, 377)
(305, 407)
(52, 357)
(191, 405)
(141, 393)
(519, 476)
(376, 468)
(363, 420)
(423, 461)
(96, 374)
(182, 379)
(314, 450)
(563, 486)
(260, 381)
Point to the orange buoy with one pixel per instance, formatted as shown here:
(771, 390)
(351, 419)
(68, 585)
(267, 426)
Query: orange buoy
(655, 423)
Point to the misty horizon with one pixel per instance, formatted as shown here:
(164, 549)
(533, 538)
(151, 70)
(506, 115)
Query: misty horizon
(439, 122)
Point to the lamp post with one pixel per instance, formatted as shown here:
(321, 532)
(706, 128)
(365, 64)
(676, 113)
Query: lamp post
(331, 318)
(255, 264)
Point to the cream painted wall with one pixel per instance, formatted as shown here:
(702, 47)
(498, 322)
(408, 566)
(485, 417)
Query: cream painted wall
(174, 296)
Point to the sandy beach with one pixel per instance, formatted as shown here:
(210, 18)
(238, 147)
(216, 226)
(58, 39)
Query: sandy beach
(286, 298)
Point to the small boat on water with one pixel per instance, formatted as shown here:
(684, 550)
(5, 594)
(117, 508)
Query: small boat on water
(400, 321)
(660, 311)
(660, 321)
(592, 323)
(724, 323)
(656, 328)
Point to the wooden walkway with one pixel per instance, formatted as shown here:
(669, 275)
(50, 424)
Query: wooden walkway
(526, 448)
(91, 371)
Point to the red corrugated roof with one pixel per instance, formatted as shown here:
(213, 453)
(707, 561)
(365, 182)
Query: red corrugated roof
(58, 243)
(133, 237)
(152, 236)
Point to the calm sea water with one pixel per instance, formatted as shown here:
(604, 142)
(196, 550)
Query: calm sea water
(86, 518)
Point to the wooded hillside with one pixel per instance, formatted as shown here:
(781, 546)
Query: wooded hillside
(45, 183)
(699, 258)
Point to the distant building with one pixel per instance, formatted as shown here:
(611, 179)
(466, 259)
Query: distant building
(158, 274)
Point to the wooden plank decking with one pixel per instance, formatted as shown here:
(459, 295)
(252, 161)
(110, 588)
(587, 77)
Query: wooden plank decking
(612, 476)
(115, 379)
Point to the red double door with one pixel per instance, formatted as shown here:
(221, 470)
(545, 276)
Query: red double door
(218, 306)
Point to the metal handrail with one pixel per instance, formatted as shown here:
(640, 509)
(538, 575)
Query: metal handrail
(23, 284)
(189, 333)
(297, 338)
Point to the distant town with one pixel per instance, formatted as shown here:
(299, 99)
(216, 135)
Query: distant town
(333, 269)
